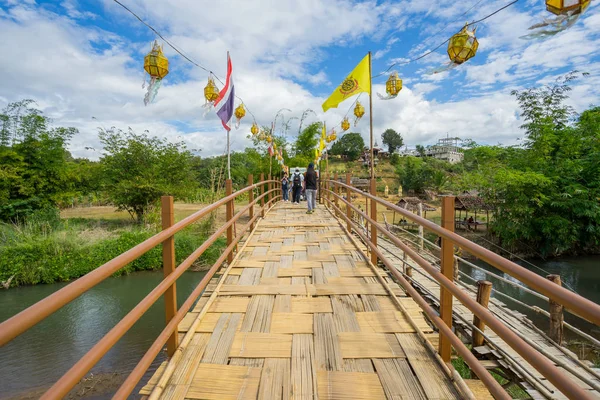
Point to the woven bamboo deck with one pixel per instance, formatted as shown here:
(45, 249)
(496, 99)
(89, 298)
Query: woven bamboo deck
(301, 314)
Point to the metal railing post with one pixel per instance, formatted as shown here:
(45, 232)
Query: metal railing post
(251, 200)
(262, 191)
(168, 258)
(228, 216)
(556, 314)
(484, 290)
(349, 200)
(374, 218)
(447, 269)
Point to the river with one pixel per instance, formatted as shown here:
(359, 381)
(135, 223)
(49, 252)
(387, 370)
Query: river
(43, 354)
(40, 356)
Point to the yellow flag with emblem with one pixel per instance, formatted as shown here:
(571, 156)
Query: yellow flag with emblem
(357, 82)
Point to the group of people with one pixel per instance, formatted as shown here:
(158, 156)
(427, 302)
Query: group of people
(297, 183)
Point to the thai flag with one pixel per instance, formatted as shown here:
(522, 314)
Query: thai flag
(224, 103)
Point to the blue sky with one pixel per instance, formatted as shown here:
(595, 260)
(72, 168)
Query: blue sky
(82, 59)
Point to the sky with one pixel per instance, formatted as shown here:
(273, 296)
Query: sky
(82, 62)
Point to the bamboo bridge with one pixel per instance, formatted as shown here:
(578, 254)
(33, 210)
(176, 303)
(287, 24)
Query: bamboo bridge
(319, 307)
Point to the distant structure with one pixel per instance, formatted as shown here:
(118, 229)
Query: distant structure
(446, 149)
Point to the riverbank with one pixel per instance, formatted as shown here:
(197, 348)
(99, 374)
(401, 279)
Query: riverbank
(48, 248)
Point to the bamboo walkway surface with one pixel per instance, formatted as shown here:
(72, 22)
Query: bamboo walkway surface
(301, 314)
(495, 350)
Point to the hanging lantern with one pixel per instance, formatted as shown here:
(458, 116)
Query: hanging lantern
(210, 91)
(359, 111)
(567, 13)
(567, 7)
(274, 146)
(269, 140)
(261, 136)
(328, 139)
(254, 129)
(157, 66)
(462, 46)
(239, 113)
(345, 124)
(333, 135)
(393, 86)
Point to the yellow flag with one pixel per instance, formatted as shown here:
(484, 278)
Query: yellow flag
(357, 82)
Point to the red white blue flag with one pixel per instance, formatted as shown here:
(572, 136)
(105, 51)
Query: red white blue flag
(224, 103)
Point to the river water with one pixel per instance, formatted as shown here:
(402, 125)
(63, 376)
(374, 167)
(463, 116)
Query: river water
(43, 354)
(40, 356)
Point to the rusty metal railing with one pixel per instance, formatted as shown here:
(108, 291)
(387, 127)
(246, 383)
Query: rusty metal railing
(579, 305)
(31, 316)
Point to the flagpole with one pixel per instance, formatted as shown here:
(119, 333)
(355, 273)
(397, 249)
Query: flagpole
(371, 118)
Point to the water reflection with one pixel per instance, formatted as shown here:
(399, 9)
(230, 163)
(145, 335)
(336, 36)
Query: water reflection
(40, 356)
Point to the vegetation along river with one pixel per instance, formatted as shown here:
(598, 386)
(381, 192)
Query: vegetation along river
(44, 353)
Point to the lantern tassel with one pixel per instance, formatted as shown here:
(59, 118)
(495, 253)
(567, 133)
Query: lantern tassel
(153, 87)
(388, 97)
(556, 25)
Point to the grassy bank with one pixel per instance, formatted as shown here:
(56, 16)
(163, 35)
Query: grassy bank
(47, 248)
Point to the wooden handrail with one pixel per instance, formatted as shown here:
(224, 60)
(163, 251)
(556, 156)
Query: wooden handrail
(37, 312)
(62, 387)
(580, 305)
(542, 364)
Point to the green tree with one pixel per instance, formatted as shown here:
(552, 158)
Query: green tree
(34, 161)
(392, 140)
(139, 169)
(307, 141)
(350, 145)
(421, 150)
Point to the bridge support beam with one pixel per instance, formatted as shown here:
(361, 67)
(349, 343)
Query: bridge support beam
(168, 258)
(484, 290)
(447, 269)
(228, 216)
(374, 218)
(556, 314)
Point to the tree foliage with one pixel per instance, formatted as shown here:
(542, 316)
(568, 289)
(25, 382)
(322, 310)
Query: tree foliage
(350, 145)
(392, 140)
(139, 169)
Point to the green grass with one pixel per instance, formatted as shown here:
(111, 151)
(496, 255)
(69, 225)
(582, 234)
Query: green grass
(48, 249)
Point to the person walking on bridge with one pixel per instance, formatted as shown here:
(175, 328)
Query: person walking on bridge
(284, 187)
(297, 180)
(310, 186)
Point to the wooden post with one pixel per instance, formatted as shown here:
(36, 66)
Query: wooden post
(408, 270)
(335, 190)
(270, 195)
(484, 290)
(262, 191)
(228, 216)
(447, 268)
(168, 258)
(374, 218)
(420, 213)
(349, 200)
(251, 200)
(556, 314)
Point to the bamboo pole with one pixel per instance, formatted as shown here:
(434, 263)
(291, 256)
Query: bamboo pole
(556, 314)
(484, 289)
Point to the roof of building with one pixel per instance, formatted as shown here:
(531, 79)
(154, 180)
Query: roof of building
(412, 204)
(470, 203)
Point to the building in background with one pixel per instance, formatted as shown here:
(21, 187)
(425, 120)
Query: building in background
(446, 149)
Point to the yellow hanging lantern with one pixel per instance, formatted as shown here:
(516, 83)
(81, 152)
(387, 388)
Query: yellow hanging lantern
(157, 66)
(210, 91)
(269, 140)
(254, 129)
(274, 146)
(359, 111)
(345, 124)
(239, 113)
(567, 7)
(393, 86)
(333, 135)
(328, 139)
(463, 45)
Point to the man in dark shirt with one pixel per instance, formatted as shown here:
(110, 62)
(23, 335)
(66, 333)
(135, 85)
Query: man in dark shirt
(310, 186)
